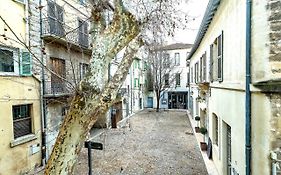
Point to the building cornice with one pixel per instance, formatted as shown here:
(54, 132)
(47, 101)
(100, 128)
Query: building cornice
(207, 19)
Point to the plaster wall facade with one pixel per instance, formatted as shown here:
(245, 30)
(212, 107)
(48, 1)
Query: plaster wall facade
(226, 98)
(22, 154)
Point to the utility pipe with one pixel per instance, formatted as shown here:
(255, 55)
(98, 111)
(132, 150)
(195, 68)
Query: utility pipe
(248, 146)
(42, 84)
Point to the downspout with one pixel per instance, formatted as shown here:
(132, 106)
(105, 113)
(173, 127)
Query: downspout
(248, 92)
(43, 103)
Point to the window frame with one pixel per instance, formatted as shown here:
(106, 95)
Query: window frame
(83, 69)
(166, 79)
(16, 61)
(178, 79)
(177, 59)
(29, 118)
(215, 129)
(83, 33)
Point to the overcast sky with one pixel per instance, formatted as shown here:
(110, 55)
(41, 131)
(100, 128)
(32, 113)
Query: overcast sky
(196, 9)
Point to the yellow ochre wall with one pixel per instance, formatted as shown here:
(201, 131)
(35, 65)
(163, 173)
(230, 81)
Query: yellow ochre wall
(19, 158)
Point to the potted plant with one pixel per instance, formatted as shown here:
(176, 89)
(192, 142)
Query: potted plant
(203, 146)
(197, 118)
(203, 130)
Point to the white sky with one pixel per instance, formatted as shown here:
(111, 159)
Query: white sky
(196, 9)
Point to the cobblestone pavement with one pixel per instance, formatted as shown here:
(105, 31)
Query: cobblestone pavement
(149, 143)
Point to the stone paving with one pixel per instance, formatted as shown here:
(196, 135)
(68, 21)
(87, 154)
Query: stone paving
(148, 143)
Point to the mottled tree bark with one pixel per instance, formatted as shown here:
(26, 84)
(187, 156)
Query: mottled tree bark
(94, 96)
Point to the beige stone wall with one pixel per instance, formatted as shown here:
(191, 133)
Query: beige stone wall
(19, 158)
(266, 47)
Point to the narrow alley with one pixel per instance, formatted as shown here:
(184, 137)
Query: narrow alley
(148, 143)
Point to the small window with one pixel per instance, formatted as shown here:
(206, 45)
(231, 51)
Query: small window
(166, 79)
(6, 61)
(22, 120)
(83, 37)
(191, 75)
(166, 60)
(83, 68)
(177, 59)
(82, 2)
(215, 129)
(136, 82)
(178, 79)
(196, 72)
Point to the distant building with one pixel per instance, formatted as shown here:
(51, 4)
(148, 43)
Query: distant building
(173, 72)
(20, 121)
(235, 85)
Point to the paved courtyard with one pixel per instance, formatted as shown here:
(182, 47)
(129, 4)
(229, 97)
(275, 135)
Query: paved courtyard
(149, 143)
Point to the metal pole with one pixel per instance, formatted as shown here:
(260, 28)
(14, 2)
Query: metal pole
(89, 158)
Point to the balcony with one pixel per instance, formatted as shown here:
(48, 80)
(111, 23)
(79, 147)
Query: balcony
(57, 89)
(58, 32)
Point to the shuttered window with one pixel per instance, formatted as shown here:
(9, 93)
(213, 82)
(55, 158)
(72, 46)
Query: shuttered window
(55, 19)
(57, 83)
(166, 79)
(22, 120)
(83, 33)
(25, 64)
(178, 79)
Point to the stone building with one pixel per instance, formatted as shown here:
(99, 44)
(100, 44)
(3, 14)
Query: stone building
(235, 84)
(60, 31)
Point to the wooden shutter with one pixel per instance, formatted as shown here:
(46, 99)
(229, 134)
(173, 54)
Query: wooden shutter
(52, 17)
(211, 63)
(59, 20)
(25, 63)
(86, 37)
(220, 58)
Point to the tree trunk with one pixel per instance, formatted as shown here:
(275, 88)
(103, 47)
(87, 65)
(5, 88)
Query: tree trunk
(94, 98)
(157, 100)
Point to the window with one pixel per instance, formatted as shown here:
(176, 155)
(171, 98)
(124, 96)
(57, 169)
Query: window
(83, 37)
(216, 59)
(55, 19)
(188, 79)
(137, 63)
(215, 129)
(191, 75)
(219, 57)
(166, 60)
(57, 83)
(22, 120)
(166, 79)
(6, 61)
(136, 82)
(196, 72)
(82, 2)
(10, 60)
(178, 79)
(177, 59)
(203, 68)
(83, 68)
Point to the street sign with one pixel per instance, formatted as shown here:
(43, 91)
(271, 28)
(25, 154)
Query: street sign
(93, 145)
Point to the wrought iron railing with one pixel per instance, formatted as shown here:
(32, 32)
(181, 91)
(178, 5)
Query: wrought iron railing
(52, 27)
(57, 88)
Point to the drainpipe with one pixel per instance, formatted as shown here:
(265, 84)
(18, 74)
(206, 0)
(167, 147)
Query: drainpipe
(43, 103)
(248, 92)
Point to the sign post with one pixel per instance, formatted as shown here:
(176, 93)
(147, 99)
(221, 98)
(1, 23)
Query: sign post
(92, 145)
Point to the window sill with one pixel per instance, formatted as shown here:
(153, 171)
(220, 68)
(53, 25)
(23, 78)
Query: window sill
(22, 140)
